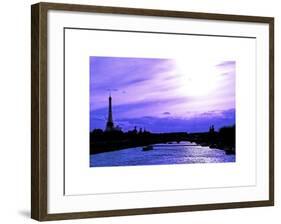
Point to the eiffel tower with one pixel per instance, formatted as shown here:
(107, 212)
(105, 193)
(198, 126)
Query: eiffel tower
(109, 123)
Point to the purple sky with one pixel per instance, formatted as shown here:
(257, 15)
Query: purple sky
(162, 95)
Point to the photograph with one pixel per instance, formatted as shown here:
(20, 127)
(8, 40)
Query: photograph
(139, 111)
(161, 111)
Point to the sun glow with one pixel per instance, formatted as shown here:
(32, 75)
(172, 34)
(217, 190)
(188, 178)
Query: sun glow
(198, 78)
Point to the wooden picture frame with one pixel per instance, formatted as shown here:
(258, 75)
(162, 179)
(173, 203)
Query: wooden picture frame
(39, 109)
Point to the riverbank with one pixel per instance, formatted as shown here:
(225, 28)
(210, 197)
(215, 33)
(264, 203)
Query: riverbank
(101, 147)
(101, 142)
(224, 139)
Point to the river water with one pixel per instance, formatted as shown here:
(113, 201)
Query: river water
(171, 153)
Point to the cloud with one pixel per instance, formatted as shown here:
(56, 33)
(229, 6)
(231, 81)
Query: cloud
(199, 123)
(196, 124)
(166, 113)
(226, 64)
(139, 109)
(152, 91)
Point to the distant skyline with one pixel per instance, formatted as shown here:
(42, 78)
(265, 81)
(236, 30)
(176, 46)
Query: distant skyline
(162, 95)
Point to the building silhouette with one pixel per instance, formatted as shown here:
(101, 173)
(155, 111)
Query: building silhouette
(110, 124)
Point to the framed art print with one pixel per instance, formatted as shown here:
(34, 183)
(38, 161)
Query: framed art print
(140, 111)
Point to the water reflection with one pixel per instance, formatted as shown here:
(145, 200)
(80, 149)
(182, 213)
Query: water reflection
(173, 153)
